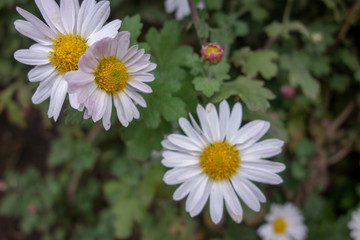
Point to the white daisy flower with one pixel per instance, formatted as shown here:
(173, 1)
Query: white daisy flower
(180, 7)
(111, 70)
(354, 225)
(285, 222)
(218, 160)
(68, 31)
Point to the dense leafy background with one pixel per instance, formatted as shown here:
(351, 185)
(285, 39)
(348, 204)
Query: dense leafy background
(73, 180)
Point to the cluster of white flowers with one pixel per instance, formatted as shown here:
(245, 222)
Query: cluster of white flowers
(78, 55)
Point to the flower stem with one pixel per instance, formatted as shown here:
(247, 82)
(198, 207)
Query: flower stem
(195, 19)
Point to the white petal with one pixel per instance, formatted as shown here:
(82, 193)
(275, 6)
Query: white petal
(68, 12)
(204, 123)
(28, 30)
(84, 92)
(130, 53)
(98, 105)
(58, 94)
(245, 193)
(267, 165)
(122, 41)
(232, 202)
(179, 175)
(183, 142)
(260, 175)
(224, 116)
(175, 159)
(51, 13)
(32, 56)
(85, 9)
(126, 103)
(143, 77)
(106, 117)
(37, 23)
(44, 90)
(202, 201)
(137, 98)
(249, 131)
(40, 73)
(198, 189)
(216, 203)
(95, 19)
(183, 190)
(213, 120)
(120, 112)
(77, 79)
(74, 101)
(142, 87)
(88, 62)
(234, 121)
(191, 133)
(108, 30)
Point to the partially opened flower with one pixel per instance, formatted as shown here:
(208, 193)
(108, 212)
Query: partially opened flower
(181, 7)
(212, 53)
(354, 225)
(218, 161)
(68, 31)
(111, 71)
(284, 222)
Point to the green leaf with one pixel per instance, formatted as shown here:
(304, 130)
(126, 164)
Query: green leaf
(140, 141)
(255, 62)
(298, 66)
(203, 28)
(133, 25)
(251, 92)
(276, 29)
(206, 85)
(81, 155)
(170, 56)
(340, 82)
(213, 4)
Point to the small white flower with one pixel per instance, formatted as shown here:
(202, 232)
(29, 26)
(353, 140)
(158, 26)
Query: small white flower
(284, 222)
(68, 31)
(354, 225)
(111, 71)
(181, 7)
(218, 160)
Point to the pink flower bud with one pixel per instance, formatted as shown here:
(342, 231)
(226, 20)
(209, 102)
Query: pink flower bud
(212, 53)
(287, 91)
(31, 209)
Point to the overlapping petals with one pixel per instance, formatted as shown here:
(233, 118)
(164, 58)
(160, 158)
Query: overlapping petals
(182, 154)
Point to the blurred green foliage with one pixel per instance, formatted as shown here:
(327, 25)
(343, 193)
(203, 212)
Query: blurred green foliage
(107, 185)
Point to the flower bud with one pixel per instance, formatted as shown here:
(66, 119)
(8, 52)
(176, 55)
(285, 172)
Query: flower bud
(31, 209)
(212, 53)
(287, 91)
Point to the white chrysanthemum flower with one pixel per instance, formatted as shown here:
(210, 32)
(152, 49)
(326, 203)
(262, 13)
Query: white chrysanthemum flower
(111, 70)
(68, 31)
(180, 7)
(218, 160)
(284, 222)
(354, 225)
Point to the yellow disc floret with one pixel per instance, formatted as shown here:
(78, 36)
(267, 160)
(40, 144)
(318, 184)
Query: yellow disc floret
(212, 49)
(219, 160)
(279, 225)
(67, 49)
(111, 75)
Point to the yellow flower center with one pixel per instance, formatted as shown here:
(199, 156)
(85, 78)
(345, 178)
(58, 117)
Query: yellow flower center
(111, 74)
(67, 50)
(212, 49)
(279, 225)
(219, 160)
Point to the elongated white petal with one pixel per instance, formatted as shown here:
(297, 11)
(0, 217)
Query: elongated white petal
(216, 203)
